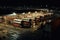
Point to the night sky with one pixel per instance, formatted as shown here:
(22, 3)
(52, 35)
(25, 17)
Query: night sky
(29, 2)
(26, 3)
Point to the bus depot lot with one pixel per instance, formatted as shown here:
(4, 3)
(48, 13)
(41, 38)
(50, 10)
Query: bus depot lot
(9, 29)
(12, 18)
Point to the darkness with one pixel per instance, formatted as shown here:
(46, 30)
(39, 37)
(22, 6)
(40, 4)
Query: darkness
(29, 3)
(8, 6)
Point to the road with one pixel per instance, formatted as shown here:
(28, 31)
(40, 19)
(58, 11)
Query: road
(7, 31)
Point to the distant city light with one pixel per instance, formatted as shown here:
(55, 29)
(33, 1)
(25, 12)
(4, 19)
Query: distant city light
(41, 5)
(46, 5)
(51, 10)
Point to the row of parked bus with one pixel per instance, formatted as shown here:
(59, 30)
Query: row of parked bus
(29, 21)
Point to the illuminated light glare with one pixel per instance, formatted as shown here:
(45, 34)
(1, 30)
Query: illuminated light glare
(35, 11)
(49, 13)
(29, 12)
(14, 13)
(23, 13)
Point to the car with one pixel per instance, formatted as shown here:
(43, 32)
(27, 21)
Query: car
(17, 22)
(26, 23)
(1, 19)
